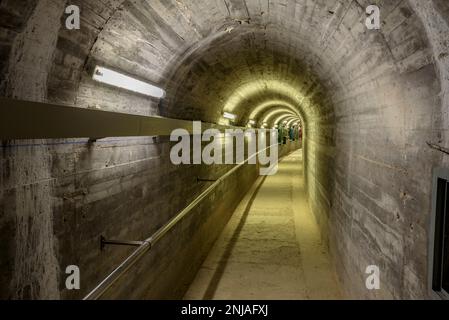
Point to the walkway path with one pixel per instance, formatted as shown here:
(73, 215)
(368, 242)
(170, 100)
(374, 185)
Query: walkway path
(271, 247)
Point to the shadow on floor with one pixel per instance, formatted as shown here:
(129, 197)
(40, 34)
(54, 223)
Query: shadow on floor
(210, 291)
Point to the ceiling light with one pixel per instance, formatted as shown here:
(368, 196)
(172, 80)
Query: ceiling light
(117, 79)
(229, 116)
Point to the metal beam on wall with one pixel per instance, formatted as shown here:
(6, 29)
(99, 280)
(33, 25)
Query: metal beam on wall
(35, 120)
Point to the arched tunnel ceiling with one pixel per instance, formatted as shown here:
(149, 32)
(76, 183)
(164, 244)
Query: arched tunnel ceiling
(271, 114)
(235, 55)
(287, 118)
(282, 118)
(259, 109)
(291, 122)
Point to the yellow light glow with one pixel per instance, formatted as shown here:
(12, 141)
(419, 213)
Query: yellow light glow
(272, 103)
(254, 88)
(283, 117)
(230, 116)
(291, 121)
(276, 112)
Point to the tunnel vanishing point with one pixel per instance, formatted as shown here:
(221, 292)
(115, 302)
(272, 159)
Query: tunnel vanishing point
(92, 207)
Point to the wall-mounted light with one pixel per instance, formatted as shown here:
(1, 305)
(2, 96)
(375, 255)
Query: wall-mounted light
(113, 78)
(229, 116)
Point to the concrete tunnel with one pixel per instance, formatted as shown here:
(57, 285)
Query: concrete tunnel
(83, 161)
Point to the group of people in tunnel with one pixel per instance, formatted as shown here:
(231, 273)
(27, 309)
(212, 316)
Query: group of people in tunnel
(292, 133)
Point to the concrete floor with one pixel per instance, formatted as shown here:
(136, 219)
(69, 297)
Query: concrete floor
(271, 247)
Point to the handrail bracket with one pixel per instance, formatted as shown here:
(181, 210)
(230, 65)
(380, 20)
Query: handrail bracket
(104, 242)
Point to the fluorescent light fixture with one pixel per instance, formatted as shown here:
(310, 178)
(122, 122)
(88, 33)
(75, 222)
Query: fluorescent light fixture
(229, 116)
(116, 79)
(252, 122)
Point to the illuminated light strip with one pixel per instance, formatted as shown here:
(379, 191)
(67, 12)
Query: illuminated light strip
(253, 88)
(292, 122)
(116, 79)
(279, 119)
(289, 119)
(276, 111)
(285, 120)
(229, 116)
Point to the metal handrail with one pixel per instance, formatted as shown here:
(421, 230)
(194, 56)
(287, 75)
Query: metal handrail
(147, 244)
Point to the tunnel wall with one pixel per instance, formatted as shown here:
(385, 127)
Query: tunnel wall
(169, 269)
(319, 168)
(28, 257)
(121, 189)
(381, 202)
